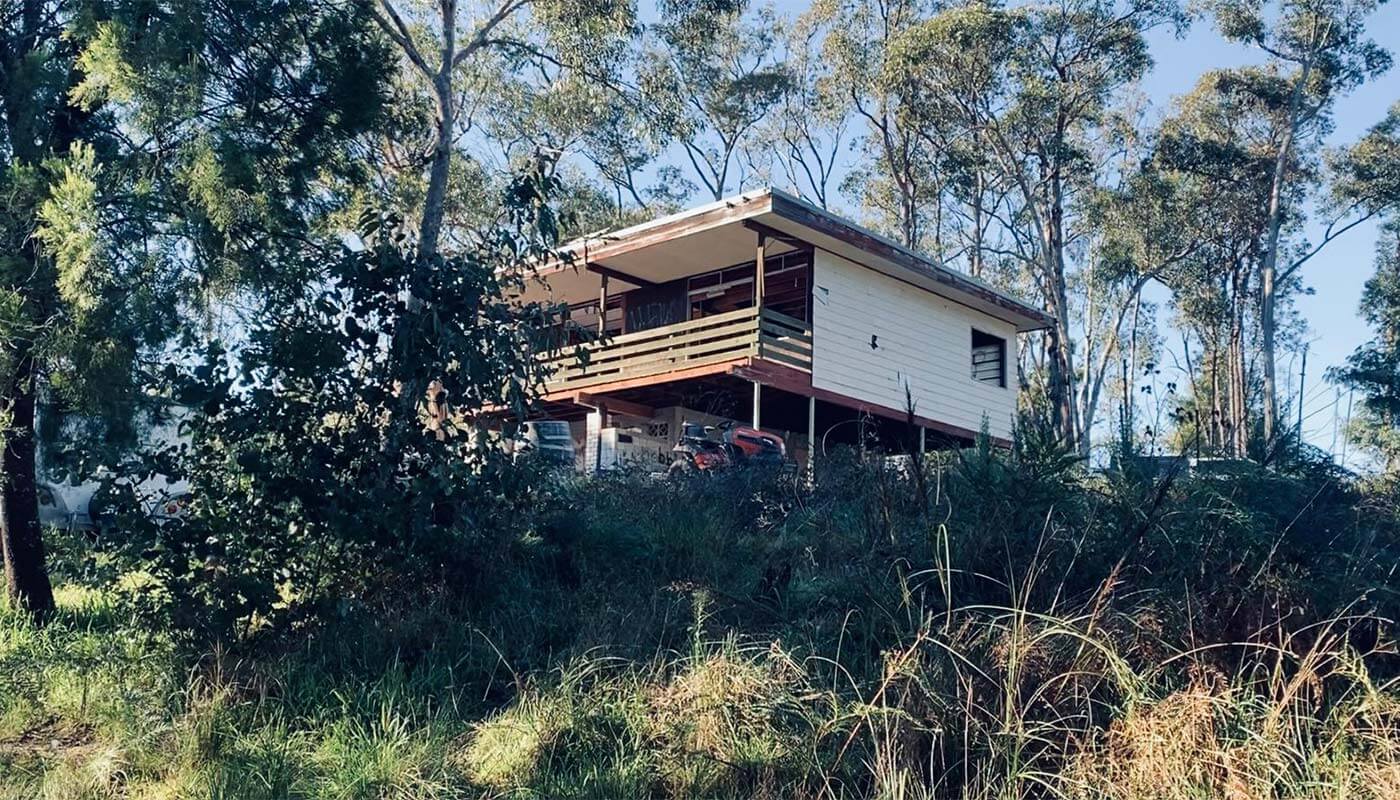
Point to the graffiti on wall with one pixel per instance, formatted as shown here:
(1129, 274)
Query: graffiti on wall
(655, 306)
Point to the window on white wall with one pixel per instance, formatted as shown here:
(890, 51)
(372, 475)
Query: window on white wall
(988, 358)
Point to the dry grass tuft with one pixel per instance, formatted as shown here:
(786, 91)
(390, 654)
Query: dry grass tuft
(1168, 750)
(1243, 739)
(719, 721)
(509, 749)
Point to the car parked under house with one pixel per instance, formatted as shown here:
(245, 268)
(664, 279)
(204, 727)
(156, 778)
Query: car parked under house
(765, 309)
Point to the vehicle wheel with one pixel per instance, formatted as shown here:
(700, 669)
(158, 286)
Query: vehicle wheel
(681, 466)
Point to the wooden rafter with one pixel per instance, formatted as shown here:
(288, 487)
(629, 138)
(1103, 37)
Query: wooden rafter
(609, 272)
(777, 235)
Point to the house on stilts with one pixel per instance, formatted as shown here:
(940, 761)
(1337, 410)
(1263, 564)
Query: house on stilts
(769, 311)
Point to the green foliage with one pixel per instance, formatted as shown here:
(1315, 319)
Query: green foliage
(190, 151)
(69, 220)
(1020, 629)
(155, 159)
(344, 436)
(708, 78)
(1327, 37)
(1214, 160)
(1367, 174)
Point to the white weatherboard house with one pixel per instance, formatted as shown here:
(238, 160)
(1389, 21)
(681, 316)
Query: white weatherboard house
(765, 309)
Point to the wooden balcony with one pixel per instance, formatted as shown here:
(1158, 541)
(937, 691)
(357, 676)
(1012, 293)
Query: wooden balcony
(681, 348)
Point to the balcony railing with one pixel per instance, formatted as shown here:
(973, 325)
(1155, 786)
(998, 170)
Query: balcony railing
(686, 345)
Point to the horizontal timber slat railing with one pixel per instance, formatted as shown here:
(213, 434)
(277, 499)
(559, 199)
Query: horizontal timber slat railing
(786, 340)
(695, 343)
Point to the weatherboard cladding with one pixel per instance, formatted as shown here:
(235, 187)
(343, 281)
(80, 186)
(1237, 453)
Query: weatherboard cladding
(868, 241)
(921, 340)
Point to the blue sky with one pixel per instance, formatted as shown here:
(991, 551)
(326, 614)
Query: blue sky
(1339, 272)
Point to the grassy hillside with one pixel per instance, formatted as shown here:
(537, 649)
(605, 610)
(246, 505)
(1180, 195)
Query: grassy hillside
(993, 627)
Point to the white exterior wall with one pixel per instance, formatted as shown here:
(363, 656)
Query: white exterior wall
(924, 342)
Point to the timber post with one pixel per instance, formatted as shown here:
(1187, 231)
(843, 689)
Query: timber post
(603, 306)
(758, 278)
(757, 397)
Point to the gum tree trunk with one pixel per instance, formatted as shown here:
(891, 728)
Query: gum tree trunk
(1269, 268)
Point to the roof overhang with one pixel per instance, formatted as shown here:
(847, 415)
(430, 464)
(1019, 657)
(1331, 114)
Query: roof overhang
(725, 232)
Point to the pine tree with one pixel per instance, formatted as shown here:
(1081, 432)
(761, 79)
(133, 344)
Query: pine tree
(152, 157)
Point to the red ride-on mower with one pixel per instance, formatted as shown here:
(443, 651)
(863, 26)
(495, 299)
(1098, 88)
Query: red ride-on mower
(737, 446)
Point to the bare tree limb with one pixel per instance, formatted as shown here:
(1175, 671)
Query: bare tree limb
(394, 27)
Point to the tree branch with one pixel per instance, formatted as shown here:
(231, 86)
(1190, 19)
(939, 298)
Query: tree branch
(1332, 233)
(397, 31)
(482, 36)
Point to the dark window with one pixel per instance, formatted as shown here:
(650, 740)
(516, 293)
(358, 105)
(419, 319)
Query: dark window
(988, 358)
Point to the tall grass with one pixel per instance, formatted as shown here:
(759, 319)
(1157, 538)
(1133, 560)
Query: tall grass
(997, 630)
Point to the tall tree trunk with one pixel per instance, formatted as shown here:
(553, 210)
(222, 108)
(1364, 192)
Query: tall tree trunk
(1096, 371)
(26, 576)
(1060, 338)
(1131, 367)
(1086, 399)
(1239, 422)
(1195, 391)
(35, 131)
(1267, 347)
(435, 200)
(445, 119)
(1216, 411)
(974, 257)
(1268, 270)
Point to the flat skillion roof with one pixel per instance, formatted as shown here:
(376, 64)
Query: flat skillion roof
(723, 233)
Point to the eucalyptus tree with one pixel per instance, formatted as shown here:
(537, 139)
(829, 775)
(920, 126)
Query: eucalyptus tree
(894, 180)
(708, 78)
(594, 125)
(152, 157)
(956, 65)
(1317, 51)
(1374, 368)
(1222, 143)
(620, 143)
(1141, 233)
(1033, 89)
(1215, 302)
(801, 142)
(1215, 147)
(451, 51)
(1366, 176)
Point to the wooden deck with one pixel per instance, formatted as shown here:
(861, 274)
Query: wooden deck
(683, 348)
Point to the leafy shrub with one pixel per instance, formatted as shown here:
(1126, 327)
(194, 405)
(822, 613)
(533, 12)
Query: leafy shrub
(342, 439)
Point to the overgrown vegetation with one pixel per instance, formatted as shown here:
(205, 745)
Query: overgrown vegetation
(308, 225)
(1015, 628)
